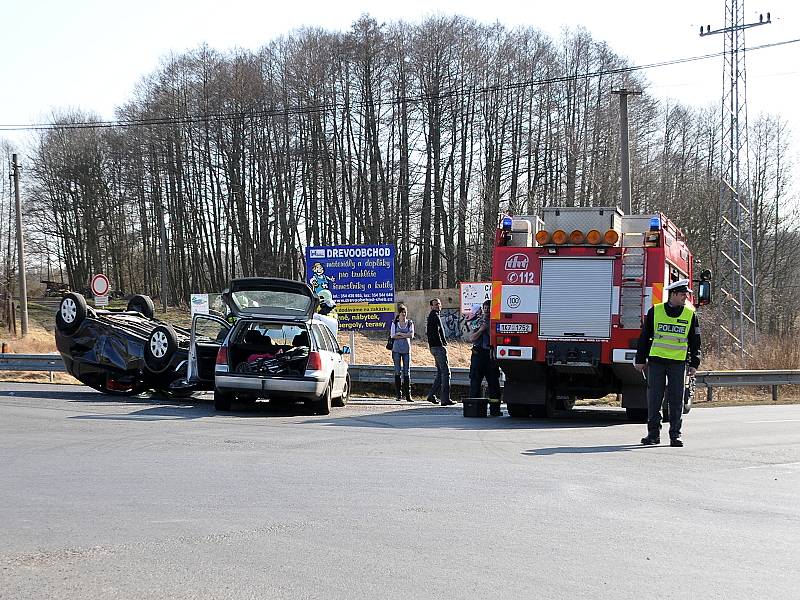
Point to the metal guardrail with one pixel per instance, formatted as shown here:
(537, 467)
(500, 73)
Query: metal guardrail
(712, 379)
(459, 376)
(422, 375)
(51, 363)
(31, 362)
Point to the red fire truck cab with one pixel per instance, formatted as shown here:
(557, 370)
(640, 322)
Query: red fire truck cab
(570, 288)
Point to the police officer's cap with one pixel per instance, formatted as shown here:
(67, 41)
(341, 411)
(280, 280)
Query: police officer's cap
(682, 285)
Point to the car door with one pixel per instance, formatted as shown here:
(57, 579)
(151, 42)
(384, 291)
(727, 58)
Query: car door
(208, 334)
(339, 364)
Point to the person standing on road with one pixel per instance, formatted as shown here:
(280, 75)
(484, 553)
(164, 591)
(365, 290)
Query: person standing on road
(670, 337)
(437, 342)
(402, 333)
(481, 363)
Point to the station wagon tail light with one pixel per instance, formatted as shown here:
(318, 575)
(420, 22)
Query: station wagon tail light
(222, 355)
(314, 361)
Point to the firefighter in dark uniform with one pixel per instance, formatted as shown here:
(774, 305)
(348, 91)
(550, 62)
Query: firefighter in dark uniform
(669, 339)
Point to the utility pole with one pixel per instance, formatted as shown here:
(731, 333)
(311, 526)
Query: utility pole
(23, 285)
(735, 253)
(163, 255)
(624, 149)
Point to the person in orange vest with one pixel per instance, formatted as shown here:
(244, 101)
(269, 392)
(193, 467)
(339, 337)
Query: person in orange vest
(669, 339)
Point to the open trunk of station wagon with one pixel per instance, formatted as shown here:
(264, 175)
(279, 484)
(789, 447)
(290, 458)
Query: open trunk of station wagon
(270, 349)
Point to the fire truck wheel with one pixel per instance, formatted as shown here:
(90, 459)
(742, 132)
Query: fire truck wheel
(551, 406)
(518, 411)
(636, 415)
(539, 411)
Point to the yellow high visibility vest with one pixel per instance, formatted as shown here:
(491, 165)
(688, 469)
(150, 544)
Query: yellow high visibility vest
(671, 334)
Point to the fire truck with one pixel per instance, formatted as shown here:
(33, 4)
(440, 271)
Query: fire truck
(570, 290)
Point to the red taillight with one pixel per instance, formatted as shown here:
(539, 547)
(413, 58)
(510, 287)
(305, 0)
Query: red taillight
(314, 361)
(507, 341)
(222, 355)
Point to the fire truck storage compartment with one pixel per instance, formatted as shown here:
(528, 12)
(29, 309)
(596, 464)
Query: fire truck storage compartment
(582, 218)
(575, 298)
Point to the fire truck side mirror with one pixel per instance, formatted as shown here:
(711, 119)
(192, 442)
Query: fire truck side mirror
(704, 293)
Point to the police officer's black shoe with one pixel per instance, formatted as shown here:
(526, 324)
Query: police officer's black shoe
(432, 399)
(650, 441)
(676, 443)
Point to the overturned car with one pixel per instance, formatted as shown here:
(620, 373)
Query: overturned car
(278, 347)
(125, 352)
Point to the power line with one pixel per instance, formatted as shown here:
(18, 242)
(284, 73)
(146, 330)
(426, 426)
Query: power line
(311, 109)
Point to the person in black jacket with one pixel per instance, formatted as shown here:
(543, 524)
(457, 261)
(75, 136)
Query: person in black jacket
(437, 342)
(670, 338)
(482, 363)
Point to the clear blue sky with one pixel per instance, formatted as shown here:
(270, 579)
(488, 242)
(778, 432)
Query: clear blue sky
(90, 54)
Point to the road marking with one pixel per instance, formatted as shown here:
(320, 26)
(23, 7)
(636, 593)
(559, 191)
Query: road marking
(778, 421)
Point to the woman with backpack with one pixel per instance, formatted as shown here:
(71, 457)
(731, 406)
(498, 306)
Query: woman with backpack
(402, 333)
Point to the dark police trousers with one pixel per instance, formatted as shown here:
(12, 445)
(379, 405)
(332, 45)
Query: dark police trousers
(482, 365)
(660, 375)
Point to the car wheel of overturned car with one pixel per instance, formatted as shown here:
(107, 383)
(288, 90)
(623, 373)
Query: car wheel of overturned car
(342, 400)
(71, 312)
(324, 402)
(143, 304)
(222, 400)
(160, 347)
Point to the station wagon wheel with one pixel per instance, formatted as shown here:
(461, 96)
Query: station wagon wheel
(222, 400)
(160, 347)
(342, 400)
(324, 402)
(71, 312)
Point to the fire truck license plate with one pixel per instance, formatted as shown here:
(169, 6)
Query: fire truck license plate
(514, 328)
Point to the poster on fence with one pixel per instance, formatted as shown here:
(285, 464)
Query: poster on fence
(473, 295)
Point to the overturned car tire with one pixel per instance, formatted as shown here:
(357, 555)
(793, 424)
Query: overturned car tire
(71, 312)
(142, 304)
(160, 348)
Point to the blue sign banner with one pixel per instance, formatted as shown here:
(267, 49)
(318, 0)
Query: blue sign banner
(357, 275)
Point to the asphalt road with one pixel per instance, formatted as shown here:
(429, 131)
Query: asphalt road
(147, 498)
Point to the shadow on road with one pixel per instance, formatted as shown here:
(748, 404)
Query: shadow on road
(433, 417)
(583, 449)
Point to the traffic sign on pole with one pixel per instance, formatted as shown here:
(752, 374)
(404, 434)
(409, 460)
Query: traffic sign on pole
(100, 285)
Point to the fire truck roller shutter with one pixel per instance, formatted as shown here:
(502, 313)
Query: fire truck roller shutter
(576, 298)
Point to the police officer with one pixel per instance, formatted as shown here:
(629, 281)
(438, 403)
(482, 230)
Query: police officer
(670, 337)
